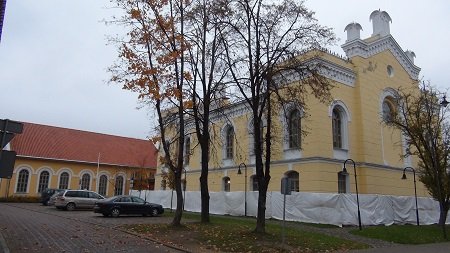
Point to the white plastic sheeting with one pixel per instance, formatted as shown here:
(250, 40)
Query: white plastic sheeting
(325, 208)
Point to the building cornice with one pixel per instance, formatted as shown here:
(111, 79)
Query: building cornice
(367, 49)
(77, 161)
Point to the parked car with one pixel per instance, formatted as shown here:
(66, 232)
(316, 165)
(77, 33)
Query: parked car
(124, 204)
(72, 199)
(47, 193)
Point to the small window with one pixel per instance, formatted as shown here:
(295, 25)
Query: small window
(22, 181)
(43, 181)
(102, 185)
(342, 182)
(226, 184)
(254, 181)
(390, 71)
(137, 200)
(294, 178)
(119, 186)
(85, 181)
(64, 180)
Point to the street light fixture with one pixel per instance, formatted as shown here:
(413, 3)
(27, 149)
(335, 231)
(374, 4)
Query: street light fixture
(344, 171)
(415, 190)
(245, 185)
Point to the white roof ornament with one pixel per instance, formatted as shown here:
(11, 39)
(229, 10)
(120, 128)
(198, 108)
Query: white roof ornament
(411, 55)
(380, 21)
(353, 31)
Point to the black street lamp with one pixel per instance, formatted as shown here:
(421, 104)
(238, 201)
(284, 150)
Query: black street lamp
(184, 188)
(415, 190)
(245, 185)
(344, 171)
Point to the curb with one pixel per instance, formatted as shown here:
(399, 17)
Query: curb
(3, 245)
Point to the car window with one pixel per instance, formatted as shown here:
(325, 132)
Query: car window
(137, 200)
(93, 195)
(124, 199)
(71, 194)
(83, 194)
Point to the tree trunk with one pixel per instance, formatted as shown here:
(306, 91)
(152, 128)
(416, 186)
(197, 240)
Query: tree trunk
(443, 208)
(204, 187)
(176, 222)
(261, 217)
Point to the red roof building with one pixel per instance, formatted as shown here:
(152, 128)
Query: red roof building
(56, 157)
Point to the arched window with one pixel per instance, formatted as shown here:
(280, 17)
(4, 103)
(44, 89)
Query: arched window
(388, 110)
(64, 181)
(103, 182)
(187, 150)
(337, 128)
(342, 182)
(294, 129)
(294, 178)
(163, 184)
(226, 184)
(118, 190)
(85, 181)
(229, 138)
(43, 181)
(254, 182)
(22, 181)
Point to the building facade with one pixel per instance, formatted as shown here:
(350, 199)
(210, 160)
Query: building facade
(54, 157)
(349, 127)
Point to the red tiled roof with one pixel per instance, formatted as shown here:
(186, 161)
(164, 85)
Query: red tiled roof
(58, 143)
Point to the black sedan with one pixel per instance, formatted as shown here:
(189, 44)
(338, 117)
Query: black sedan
(125, 204)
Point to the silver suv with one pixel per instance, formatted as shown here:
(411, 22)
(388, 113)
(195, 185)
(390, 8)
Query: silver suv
(72, 199)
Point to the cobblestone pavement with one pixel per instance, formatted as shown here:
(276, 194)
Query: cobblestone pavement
(36, 228)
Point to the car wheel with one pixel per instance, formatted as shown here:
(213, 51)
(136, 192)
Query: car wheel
(115, 212)
(154, 212)
(70, 207)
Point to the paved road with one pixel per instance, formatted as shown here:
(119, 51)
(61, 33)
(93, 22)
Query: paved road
(36, 228)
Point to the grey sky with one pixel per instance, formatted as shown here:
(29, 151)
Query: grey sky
(53, 58)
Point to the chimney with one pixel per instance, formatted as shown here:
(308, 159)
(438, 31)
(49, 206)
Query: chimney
(380, 21)
(411, 55)
(352, 30)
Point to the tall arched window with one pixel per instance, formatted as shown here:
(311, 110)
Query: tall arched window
(43, 181)
(85, 181)
(294, 128)
(187, 150)
(22, 181)
(337, 128)
(294, 178)
(229, 147)
(64, 181)
(388, 110)
(102, 183)
(254, 182)
(118, 190)
(226, 184)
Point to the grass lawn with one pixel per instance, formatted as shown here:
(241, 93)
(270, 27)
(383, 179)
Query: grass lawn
(405, 234)
(232, 234)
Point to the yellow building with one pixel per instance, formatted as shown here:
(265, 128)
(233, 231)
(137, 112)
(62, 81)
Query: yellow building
(54, 157)
(350, 127)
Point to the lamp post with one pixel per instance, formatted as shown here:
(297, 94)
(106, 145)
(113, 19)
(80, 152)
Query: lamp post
(344, 171)
(184, 188)
(245, 185)
(415, 190)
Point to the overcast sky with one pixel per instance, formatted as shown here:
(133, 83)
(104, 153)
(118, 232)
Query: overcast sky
(54, 56)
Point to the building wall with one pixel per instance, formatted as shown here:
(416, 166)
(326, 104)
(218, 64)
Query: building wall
(75, 170)
(377, 149)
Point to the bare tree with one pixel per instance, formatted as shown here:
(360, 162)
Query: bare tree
(262, 42)
(422, 118)
(151, 63)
